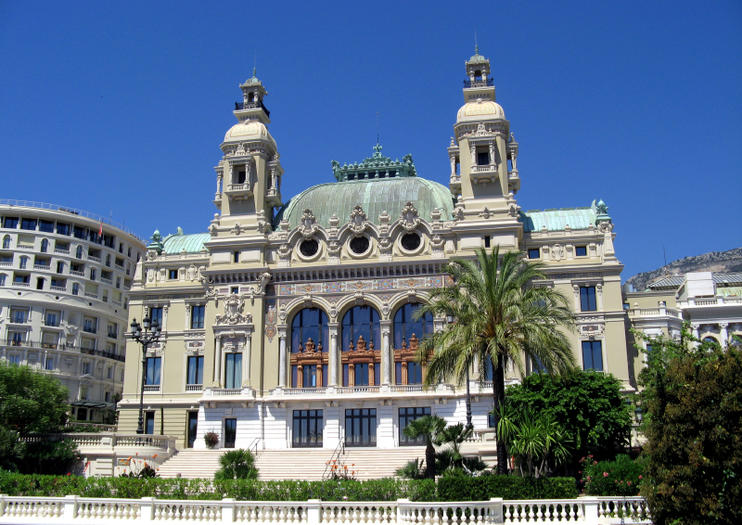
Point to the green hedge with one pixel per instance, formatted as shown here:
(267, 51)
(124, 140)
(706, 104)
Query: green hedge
(460, 487)
(448, 488)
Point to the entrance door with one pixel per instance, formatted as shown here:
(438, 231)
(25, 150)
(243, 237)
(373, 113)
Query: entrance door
(192, 428)
(230, 432)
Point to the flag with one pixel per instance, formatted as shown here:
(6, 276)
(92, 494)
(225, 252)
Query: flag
(100, 229)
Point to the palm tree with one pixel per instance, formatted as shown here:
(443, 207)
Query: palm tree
(428, 428)
(501, 314)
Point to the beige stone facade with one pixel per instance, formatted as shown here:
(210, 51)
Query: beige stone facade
(291, 325)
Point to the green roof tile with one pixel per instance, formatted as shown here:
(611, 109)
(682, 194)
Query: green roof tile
(555, 220)
(179, 243)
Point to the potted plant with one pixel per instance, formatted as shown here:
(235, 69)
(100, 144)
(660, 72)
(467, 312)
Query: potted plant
(211, 439)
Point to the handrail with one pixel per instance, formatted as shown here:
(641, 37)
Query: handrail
(336, 454)
(73, 211)
(254, 445)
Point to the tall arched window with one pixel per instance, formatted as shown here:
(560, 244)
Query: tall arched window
(309, 341)
(361, 347)
(407, 332)
(78, 252)
(6, 242)
(44, 245)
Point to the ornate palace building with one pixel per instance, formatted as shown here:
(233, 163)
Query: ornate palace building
(289, 323)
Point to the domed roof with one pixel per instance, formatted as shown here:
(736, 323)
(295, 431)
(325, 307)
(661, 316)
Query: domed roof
(248, 130)
(480, 109)
(374, 196)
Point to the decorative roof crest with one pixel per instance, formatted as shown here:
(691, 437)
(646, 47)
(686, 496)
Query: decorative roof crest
(308, 223)
(377, 166)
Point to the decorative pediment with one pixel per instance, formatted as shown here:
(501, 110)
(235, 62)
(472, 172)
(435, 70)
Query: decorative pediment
(410, 219)
(308, 224)
(358, 220)
(233, 315)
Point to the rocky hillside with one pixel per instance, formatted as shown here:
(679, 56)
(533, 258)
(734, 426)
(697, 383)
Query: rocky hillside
(728, 261)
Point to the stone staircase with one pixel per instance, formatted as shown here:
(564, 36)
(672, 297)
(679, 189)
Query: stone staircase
(308, 463)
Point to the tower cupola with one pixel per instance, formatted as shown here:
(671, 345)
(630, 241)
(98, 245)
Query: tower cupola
(252, 107)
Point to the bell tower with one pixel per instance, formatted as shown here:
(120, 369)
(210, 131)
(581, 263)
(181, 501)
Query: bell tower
(483, 155)
(248, 177)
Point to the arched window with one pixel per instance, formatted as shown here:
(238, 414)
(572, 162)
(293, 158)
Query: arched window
(405, 325)
(408, 331)
(78, 252)
(75, 289)
(2, 279)
(360, 321)
(44, 245)
(309, 341)
(6, 242)
(710, 339)
(361, 347)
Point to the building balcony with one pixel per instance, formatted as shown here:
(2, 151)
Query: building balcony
(58, 288)
(484, 173)
(710, 301)
(66, 348)
(40, 266)
(78, 273)
(241, 106)
(482, 82)
(57, 249)
(194, 388)
(239, 191)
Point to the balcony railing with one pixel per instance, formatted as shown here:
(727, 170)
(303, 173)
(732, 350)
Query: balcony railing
(194, 388)
(41, 266)
(151, 388)
(67, 348)
(61, 250)
(484, 82)
(77, 272)
(251, 105)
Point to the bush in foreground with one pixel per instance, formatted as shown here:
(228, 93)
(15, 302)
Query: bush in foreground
(452, 487)
(237, 464)
(620, 477)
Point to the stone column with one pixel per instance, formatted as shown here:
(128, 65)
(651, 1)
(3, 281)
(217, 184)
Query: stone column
(246, 357)
(386, 352)
(332, 378)
(282, 357)
(724, 334)
(217, 362)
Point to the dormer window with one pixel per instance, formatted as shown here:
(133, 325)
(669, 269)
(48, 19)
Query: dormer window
(477, 75)
(251, 97)
(241, 176)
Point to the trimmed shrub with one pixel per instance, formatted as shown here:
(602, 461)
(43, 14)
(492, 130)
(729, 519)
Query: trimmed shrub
(620, 477)
(237, 464)
(450, 487)
(457, 486)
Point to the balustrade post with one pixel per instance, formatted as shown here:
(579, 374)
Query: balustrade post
(228, 510)
(282, 357)
(401, 511)
(313, 508)
(495, 511)
(70, 507)
(2, 504)
(147, 509)
(590, 508)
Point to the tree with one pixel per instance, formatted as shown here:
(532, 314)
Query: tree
(501, 315)
(692, 400)
(535, 440)
(428, 428)
(237, 464)
(32, 404)
(588, 405)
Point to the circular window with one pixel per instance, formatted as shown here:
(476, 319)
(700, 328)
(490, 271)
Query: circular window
(410, 241)
(309, 247)
(359, 245)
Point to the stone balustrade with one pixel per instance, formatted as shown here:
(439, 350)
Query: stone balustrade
(75, 509)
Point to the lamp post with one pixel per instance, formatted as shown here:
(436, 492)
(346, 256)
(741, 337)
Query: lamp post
(151, 334)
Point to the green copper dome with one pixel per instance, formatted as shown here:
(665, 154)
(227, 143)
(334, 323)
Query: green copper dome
(179, 243)
(373, 195)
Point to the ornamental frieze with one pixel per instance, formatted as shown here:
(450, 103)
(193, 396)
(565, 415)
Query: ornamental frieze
(335, 287)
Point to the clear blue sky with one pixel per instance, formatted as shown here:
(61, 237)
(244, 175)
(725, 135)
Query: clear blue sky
(119, 108)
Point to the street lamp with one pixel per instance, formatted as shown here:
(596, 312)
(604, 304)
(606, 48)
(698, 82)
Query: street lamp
(151, 334)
